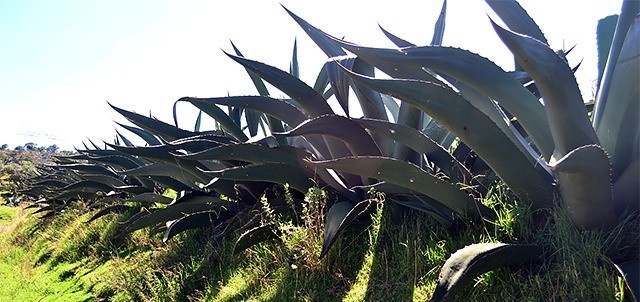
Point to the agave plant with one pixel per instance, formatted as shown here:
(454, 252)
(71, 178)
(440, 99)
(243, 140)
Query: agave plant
(595, 163)
(410, 143)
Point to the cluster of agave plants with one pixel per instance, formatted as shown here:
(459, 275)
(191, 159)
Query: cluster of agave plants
(436, 131)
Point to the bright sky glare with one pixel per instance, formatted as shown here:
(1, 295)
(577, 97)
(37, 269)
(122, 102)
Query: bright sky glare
(61, 61)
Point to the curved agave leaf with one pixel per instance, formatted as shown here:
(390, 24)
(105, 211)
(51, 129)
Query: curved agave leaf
(469, 262)
(339, 216)
(395, 39)
(604, 36)
(350, 132)
(370, 101)
(618, 124)
(567, 115)
(326, 45)
(121, 160)
(295, 176)
(168, 170)
(475, 71)
(220, 116)
(630, 271)
(125, 140)
(191, 221)
(170, 182)
(90, 168)
(626, 189)
(255, 236)
(253, 153)
(149, 198)
(308, 99)
(252, 117)
(176, 211)
(114, 209)
(88, 186)
(166, 131)
(585, 186)
(438, 31)
(294, 69)
(339, 81)
(146, 136)
(406, 175)
(528, 182)
(629, 11)
(517, 19)
(422, 144)
(279, 109)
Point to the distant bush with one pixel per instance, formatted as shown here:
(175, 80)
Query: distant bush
(18, 165)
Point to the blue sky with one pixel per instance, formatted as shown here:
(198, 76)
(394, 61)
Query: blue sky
(61, 61)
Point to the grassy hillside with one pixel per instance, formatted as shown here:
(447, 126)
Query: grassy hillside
(65, 259)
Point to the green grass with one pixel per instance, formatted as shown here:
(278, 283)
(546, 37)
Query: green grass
(383, 260)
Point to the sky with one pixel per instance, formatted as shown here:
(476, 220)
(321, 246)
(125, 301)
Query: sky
(62, 61)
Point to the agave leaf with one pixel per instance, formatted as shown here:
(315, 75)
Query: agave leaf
(196, 127)
(530, 183)
(438, 31)
(618, 124)
(176, 211)
(166, 131)
(629, 11)
(391, 105)
(123, 161)
(326, 45)
(422, 144)
(342, 128)
(630, 271)
(279, 109)
(604, 36)
(298, 178)
(370, 101)
(115, 209)
(168, 170)
(566, 113)
(252, 117)
(395, 39)
(473, 260)
(406, 175)
(220, 116)
(90, 168)
(255, 236)
(626, 189)
(126, 141)
(257, 81)
(585, 186)
(191, 221)
(472, 69)
(252, 153)
(172, 183)
(294, 68)
(149, 198)
(145, 135)
(517, 19)
(322, 81)
(308, 99)
(88, 186)
(339, 80)
(339, 216)
(52, 183)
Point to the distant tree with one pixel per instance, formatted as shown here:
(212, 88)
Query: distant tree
(53, 148)
(4, 147)
(30, 146)
(19, 148)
